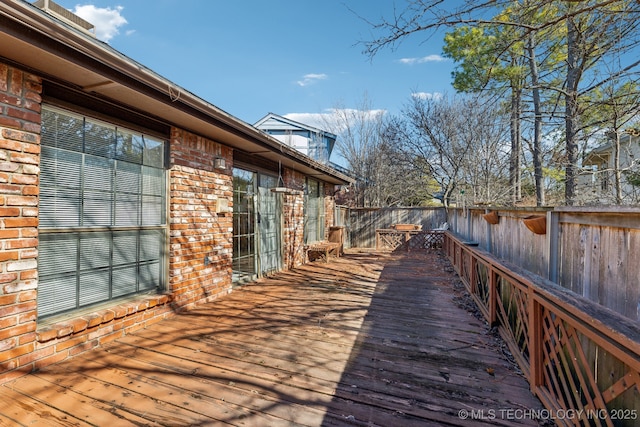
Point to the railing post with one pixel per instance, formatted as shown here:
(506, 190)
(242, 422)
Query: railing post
(455, 256)
(488, 243)
(535, 341)
(553, 237)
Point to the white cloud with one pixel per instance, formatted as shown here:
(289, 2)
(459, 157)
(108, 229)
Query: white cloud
(308, 79)
(428, 58)
(107, 21)
(426, 95)
(317, 120)
(334, 120)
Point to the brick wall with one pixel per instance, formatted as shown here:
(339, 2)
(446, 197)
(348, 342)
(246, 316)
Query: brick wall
(58, 341)
(19, 160)
(201, 228)
(329, 209)
(25, 344)
(201, 220)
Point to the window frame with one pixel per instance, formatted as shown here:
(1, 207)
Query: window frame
(149, 231)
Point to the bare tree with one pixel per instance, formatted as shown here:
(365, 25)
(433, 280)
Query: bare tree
(587, 30)
(360, 143)
(369, 142)
(462, 143)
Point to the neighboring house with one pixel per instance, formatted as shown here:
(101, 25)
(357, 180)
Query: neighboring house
(124, 197)
(596, 183)
(313, 142)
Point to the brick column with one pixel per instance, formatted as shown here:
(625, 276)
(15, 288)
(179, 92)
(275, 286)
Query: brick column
(201, 220)
(19, 159)
(329, 208)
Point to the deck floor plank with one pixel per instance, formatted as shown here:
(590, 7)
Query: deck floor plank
(168, 397)
(20, 409)
(368, 339)
(48, 391)
(238, 395)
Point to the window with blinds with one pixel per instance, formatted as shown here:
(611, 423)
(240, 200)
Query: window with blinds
(314, 211)
(102, 213)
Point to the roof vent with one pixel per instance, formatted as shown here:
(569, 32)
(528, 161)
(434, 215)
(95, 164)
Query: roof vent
(66, 16)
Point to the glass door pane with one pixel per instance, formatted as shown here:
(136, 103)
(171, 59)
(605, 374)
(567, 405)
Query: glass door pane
(244, 218)
(269, 249)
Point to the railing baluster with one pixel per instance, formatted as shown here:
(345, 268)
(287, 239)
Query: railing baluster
(536, 357)
(577, 356)
(493, 296)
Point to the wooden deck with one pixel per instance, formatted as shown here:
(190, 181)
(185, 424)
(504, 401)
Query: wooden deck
(368, 339)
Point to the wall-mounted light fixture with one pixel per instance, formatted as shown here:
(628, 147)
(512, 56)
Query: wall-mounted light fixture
(219, 163)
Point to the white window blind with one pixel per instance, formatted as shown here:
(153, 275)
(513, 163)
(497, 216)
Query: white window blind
(101, 212)
(314, 211)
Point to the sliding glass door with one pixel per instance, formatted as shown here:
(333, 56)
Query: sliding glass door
(257, 230)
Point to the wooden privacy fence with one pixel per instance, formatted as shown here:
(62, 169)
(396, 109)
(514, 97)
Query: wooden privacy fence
(580, 358)
(588, 250)
(363, 222)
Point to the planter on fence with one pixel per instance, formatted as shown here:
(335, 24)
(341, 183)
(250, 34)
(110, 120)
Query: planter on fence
(536, 224)
(492, 217)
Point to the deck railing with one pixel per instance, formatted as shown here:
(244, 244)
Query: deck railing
(582, 360)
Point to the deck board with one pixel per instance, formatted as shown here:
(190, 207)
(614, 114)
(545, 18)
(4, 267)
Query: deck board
(17, 408)
(367, 339)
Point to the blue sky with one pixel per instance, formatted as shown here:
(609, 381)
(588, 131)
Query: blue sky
(298, 58)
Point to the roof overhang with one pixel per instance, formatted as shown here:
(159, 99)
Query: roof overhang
(595, 159)
(598, 156)
(36, 41)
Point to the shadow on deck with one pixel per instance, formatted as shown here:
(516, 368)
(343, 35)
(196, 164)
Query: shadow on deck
(368, 339)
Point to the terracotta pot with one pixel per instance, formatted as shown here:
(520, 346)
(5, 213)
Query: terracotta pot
(492, 217)
(536, 223)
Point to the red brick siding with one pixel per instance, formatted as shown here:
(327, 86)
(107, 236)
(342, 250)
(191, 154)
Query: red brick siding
(200, 227)
(26, 345)
(56, 342)
(19, 160)
(20, 102)
(329, 208)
